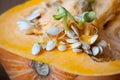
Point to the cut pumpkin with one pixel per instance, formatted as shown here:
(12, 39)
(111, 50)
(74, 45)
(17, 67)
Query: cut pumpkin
(12, 40)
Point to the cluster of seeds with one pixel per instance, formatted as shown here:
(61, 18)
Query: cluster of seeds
(63, 38)
(71, 40)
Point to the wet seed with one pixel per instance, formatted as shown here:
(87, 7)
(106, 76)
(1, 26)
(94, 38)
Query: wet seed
(76, 45)
(51, 45)
(62, 47)
(76, 50)
(54, 31)
(35, 49)
(71, 40)
(95, 51)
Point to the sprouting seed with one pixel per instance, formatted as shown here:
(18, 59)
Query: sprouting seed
(35, 49)
(76, 45)
(51, 45)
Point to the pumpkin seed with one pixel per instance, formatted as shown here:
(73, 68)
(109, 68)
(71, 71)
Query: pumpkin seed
(94, 38)
(25, 25)
(88, 51)
(102, 43)
(75, 30)
(77, 50)
(71, 40)
(71, 34)
(61, 42)
(76, 45)
(101, 49)
(35, 49)
(85, 46)
(51, 45)
(62, 47)
(34, 14)
(95, 51)
(54, 30)
(41, 69)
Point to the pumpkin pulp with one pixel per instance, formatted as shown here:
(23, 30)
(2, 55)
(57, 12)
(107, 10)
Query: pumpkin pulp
(12, 40)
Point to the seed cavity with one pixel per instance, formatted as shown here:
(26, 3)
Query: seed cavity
(36, 49)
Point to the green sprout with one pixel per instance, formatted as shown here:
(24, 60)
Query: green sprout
(66, 15)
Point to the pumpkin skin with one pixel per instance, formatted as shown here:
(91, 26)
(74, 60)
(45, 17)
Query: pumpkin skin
(78, 64)
(19, 68)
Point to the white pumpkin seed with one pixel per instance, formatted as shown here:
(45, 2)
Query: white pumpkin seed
(71, 40)
(101, 49)
(93, 38)
(76, 50)
(75, 30)
(53, 1)
(88, 51)
(71, 34)
(102, 43)
(51, 45)
(25, 25)
(76, 45)
(34, 14)
(95, 51)
(54, 30)
(35, 49)
(62, 47)
(85, 46)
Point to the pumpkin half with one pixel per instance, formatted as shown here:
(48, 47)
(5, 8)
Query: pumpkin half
(13, 41)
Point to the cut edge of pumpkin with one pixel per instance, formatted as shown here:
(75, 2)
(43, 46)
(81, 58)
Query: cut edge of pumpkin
(34, 2)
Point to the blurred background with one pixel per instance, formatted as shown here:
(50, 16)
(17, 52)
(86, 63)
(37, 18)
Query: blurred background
(4, 6)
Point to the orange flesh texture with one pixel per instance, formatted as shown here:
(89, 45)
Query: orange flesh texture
(12, 40)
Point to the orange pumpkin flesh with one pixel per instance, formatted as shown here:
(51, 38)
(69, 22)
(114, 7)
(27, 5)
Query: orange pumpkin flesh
(19, 44)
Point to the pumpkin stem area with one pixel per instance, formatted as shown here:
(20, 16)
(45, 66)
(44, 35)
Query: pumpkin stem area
(41, 69)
